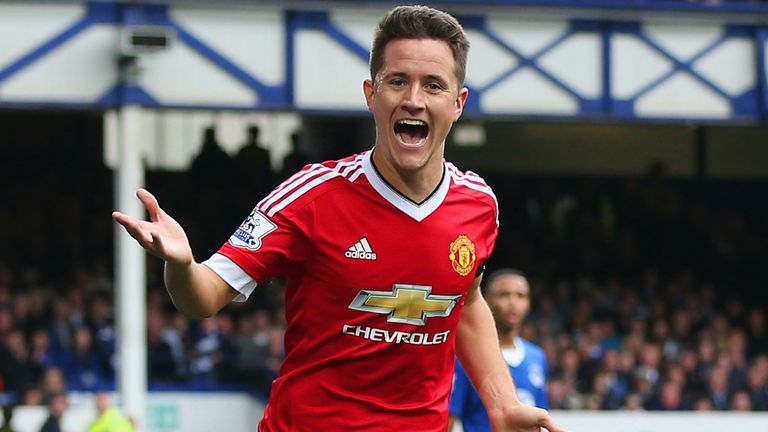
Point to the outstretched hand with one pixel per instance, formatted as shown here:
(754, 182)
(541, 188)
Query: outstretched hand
(524, 418)
(161, 236)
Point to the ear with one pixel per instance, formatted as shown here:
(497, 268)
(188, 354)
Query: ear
(461, 100)
(368, 91)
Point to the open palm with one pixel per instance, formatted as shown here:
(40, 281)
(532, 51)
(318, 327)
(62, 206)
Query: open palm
(161, 235)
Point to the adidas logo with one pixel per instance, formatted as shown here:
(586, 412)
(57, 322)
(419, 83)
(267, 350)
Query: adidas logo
(361, 250)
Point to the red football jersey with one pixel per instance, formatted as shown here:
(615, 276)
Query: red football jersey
(375, 287)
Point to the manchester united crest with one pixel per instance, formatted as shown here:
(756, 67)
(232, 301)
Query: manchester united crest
(462, 255)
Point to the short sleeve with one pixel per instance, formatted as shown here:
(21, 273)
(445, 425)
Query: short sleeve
(260, 248)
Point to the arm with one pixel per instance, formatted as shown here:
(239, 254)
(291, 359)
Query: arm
(196, 290)
(477, 346)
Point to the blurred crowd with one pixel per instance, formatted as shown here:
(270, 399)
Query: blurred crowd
(646, 291)
(657, 345)
(60, 335)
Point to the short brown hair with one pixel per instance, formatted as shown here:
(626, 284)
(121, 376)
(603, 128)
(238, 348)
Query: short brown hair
(420, 22)
(498, 274)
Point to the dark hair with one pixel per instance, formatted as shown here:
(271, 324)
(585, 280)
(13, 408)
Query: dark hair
(420, 22)
(500, 273)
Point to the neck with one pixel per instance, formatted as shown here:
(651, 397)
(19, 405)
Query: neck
(507, 337)
(416, 185)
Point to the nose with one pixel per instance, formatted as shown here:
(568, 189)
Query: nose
(413, 99)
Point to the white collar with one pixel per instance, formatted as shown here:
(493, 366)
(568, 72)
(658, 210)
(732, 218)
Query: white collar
(514, 356)
(417, 211)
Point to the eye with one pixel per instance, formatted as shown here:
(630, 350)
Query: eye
(397, 82)
(434, 87)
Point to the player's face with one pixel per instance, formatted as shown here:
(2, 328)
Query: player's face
(509, 299)
(415, 100)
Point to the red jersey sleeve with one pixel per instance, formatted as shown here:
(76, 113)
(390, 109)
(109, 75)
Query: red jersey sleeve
(264, 245)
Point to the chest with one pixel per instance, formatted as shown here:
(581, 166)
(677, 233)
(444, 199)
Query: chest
(362, 243)
(529, 374)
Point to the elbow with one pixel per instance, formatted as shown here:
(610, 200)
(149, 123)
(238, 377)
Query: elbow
(196, 312)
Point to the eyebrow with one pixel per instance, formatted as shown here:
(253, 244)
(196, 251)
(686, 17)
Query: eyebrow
(429, 77)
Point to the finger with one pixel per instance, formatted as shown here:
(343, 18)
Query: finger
(141, 232)
(550, 425)
(135, 228)
(123, 219)
(150, 203)
(144, 239)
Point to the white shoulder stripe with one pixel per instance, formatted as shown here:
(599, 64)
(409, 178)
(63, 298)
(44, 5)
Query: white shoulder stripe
(350, 166)
(357, 173)
(467, 175)
(478, 186)
(299, 192)
(291, 183)
(473, 180)
(301, 182)
(288, 186)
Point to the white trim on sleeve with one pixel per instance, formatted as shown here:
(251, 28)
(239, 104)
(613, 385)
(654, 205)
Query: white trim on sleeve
(232, 274)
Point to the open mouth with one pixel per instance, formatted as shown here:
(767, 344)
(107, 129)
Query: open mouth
(411, 132)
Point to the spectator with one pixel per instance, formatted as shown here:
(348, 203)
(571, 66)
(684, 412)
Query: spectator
(740, 401)
(161, 364)
(56, 408)
(254, 166)
(176, 335)
(718, 389)
(41, 356)
(757, 330)
(213, 174)
(15, 368)
(703, 403)
(82, 367)
(99, 322)
(208, 352)
(253, 348)
(60, 329)
(757, 383)
(669, 398)
(295, 159)
(617, 381)
(53, 383)
(212, 167)
(275, 352)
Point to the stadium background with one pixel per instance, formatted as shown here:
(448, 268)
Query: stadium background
(626, 142)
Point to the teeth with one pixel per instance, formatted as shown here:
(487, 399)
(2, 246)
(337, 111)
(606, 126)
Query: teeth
(410, 122)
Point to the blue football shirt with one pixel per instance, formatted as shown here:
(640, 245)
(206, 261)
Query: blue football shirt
(528, 366)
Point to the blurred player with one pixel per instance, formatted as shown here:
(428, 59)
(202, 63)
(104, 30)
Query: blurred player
(509, 296)
(382, 251)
